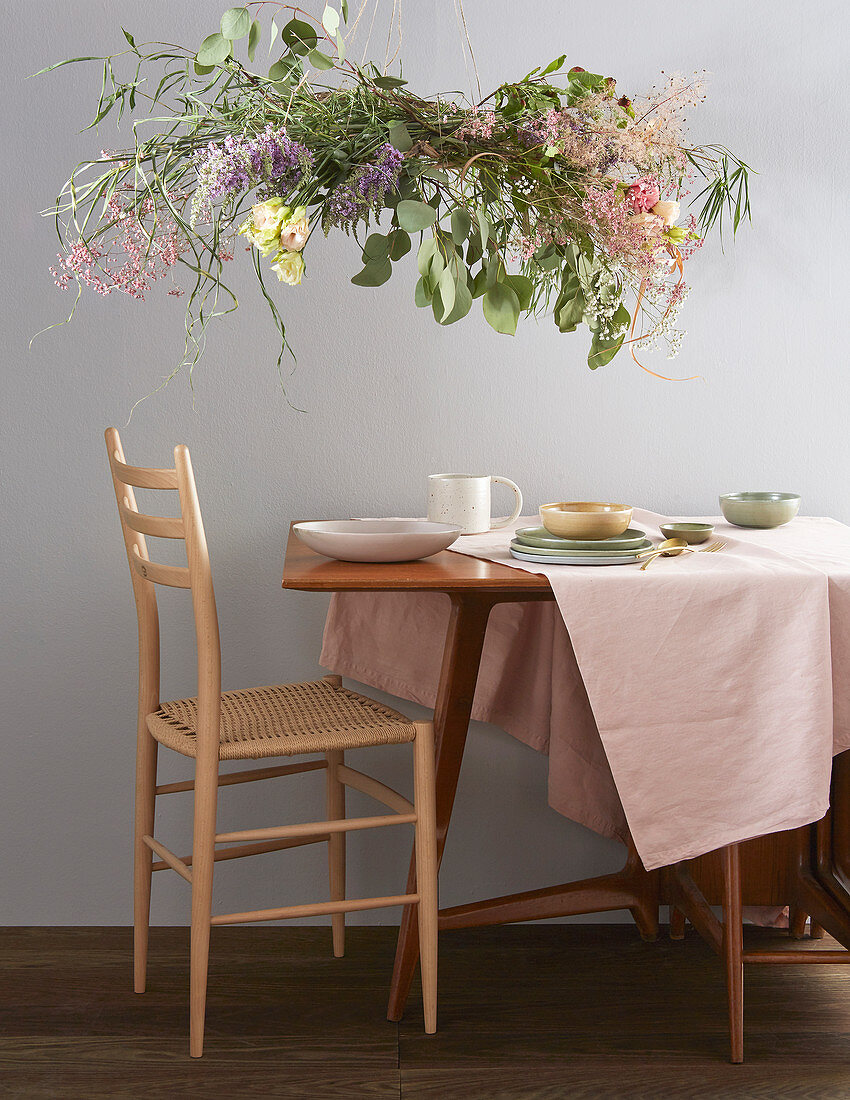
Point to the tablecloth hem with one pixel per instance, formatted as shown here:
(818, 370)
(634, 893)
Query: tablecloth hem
(652, 861)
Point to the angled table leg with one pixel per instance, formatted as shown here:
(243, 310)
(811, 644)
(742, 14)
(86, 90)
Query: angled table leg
(458, 676)
(631, 888)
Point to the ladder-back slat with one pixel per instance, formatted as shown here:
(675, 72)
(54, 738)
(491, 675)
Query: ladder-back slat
(162, 527)
(175, 576)
(144, 477)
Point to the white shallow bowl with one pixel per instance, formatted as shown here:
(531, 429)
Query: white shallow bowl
(376, 539)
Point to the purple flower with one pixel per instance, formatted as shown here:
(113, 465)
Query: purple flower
(240, 163)
(364, 190)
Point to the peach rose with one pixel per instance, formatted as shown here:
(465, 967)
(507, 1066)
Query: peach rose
(667, 211)
(295, 230)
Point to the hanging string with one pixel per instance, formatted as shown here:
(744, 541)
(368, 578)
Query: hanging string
(351, 34)
(395, 12)
(369, 36)
(460, 17)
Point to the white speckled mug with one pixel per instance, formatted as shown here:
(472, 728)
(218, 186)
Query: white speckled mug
(464, 501)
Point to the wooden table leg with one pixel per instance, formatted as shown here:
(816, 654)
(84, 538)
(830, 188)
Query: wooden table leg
(632, 888)
(818, 890)
(733, 948)
(458, 676)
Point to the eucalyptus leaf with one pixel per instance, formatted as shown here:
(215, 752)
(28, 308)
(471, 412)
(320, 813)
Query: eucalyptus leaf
(299, 36)
(340, 48)
(463, 300)
(375, 273)
(435, 174)
(523, 288)
(415, 216)
(501, 308)
(447, 292)
(320, 60)
(603, 351)
(436, 267)
(437, 304)
(274, 33)
(570, 304)
(425, 255)
(422, 295)
(399, 136)
(479, 284)
(343, 7)
(474, 251)
(203, 70)
(461, 224)
(399, 244)
(254, 36)
(215, 50)
(377, 247)
(284, 68)
(483, 225)
(330, 20)
(235, 23)
(388, 82)
(547, 257)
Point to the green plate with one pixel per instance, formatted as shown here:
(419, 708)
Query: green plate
(595, 552)
(539, 536)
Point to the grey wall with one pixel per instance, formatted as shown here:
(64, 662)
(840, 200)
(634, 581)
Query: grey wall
(389, 397)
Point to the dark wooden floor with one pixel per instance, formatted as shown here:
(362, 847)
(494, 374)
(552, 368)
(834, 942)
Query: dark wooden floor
(532, 1012)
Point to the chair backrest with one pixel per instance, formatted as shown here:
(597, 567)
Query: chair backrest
(196, 575)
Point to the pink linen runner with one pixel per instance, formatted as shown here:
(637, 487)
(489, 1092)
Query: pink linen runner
(699, 691)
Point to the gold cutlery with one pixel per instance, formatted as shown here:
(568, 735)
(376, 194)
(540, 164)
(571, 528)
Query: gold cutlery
(671, 547)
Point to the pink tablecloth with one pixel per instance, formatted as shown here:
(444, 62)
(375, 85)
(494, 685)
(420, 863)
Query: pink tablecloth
(699, 701)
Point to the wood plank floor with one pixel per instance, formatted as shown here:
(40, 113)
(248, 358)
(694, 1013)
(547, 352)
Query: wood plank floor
(530, 1012)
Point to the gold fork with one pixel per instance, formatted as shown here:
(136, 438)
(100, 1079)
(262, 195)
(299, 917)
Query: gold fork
(713, 548)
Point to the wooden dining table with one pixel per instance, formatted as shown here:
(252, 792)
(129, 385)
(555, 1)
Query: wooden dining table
(805, 869)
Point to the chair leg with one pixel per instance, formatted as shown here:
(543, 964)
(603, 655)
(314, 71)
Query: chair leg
(677, 923)
(426, 868)
(203, 852)
(336, 849)
(815, 930)
(733, 947)
(142, 855)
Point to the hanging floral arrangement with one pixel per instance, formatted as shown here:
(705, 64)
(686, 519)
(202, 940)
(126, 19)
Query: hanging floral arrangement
(554, 195)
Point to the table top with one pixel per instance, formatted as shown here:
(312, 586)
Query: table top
(306, 570)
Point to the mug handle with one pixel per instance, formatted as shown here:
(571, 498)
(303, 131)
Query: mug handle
(508, 519)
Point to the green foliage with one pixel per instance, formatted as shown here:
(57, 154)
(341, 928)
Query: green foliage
(299, 36)
(501, 308)
(414, 215)
(235, 23)
(501, 216)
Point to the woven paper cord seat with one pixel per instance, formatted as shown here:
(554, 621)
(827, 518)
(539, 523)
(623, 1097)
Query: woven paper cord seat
(284, 720)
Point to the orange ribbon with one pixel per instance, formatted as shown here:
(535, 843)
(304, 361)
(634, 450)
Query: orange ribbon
(677, 256)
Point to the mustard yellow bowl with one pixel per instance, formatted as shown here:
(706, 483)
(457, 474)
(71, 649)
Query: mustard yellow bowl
(585, 519)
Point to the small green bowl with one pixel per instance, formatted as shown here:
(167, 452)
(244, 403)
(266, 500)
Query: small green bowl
(692, 533)
(759, 509)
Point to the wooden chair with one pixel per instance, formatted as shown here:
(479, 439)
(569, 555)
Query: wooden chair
(283, 720)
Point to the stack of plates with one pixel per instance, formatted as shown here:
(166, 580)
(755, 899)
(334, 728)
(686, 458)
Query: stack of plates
(539, 545)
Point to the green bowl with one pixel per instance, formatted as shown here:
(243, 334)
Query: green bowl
(759, 509)
(692, 533)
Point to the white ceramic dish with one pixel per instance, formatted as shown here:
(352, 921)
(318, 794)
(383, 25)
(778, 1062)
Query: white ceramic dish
(376, 539)
(626, 559)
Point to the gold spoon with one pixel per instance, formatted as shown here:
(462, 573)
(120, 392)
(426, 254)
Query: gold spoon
(668, 548)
